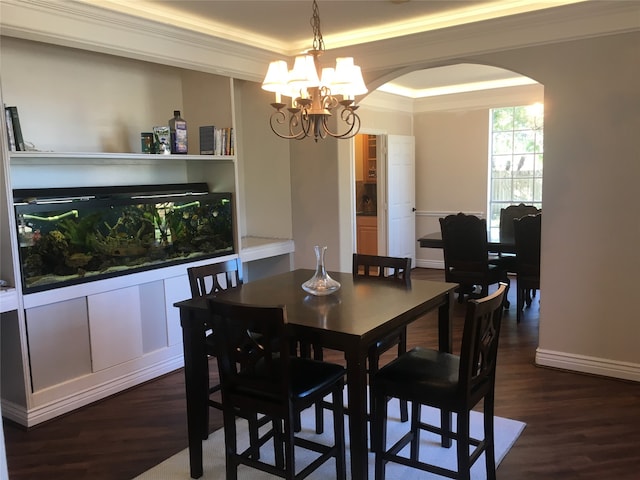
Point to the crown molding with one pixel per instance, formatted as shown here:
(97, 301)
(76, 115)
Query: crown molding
(437, 48)
(87, 27)
(383, 101)
(491, 98)
(80, 25)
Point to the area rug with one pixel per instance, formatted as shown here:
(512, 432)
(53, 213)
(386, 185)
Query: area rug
(506, 433)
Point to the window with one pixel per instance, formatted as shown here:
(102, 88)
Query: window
(515, 160)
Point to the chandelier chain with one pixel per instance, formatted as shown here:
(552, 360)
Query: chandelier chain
(318, 42)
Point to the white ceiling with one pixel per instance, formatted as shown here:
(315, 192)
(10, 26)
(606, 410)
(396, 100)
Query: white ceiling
(283, 27)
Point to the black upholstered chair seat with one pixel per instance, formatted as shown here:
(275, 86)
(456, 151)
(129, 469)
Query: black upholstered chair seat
(422, 372)
(307, 377)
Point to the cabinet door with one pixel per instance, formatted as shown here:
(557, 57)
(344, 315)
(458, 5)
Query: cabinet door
(58, 342)
(176, 289)
(116, 332)
(153, 316)
(367, 232)
(370, 155)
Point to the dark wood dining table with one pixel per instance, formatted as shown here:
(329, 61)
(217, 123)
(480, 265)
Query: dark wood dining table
(350, 320)
(434, 240)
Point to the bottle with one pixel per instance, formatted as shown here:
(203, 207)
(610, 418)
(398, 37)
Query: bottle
(178, 128)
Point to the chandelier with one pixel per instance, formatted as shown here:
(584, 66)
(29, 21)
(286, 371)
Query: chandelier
(315, 96)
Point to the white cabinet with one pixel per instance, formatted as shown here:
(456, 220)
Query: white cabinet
(50, 326)
(116, 329)
(72, 345)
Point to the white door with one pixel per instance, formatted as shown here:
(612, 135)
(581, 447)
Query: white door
(401, 196)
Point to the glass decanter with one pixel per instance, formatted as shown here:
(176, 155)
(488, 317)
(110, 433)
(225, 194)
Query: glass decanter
(321, 283)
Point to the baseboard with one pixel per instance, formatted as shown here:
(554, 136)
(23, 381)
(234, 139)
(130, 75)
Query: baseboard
(591, 365)
(437, 264)
(36, 415)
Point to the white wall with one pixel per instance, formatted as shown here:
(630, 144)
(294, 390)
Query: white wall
(590, 235)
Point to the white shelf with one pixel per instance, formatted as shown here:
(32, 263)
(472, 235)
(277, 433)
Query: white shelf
(257, 248)
(55, 158)
(8, 300)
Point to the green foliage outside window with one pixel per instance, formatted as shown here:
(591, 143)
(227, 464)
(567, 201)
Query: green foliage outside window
(515, 160)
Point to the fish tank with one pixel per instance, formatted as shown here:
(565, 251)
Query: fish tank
(69, 236)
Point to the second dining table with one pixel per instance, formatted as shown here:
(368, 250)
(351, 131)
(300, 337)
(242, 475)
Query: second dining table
(350, 320)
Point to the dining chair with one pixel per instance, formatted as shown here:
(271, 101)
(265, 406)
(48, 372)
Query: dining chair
(527, 233)
(508, 214)
(206, 280)
(390, 269)
(466, 255)
(450, 383)
(263, 377)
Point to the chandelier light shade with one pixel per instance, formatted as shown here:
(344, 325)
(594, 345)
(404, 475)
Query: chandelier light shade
(316, 95)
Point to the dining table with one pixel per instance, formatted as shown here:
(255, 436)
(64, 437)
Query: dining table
(351, 320)
(434, 240)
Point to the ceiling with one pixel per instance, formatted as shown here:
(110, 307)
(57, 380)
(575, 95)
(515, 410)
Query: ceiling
(283, 27)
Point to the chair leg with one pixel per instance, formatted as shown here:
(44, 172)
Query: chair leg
(372, 358)
(416, 410)
(254, 436)
(462, 446)
(338, 434)
(402, 348)
(230, 442)
(489, 436)
(278, 443)
(520, 303)
(289, 451)
(379, 438)
(318, 354)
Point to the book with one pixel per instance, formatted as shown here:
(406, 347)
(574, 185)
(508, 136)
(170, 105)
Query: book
(17, 131)
(10, 136)
(216, 141)
(207, 140)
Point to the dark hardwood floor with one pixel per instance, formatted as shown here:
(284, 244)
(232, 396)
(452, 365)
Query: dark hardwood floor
(578, 426)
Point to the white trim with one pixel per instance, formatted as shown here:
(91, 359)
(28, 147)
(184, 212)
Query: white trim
(586, 364)
(55, 408)
(89, 27)
(492, 98)
(423, 263)
(383, 101)
(257, 248)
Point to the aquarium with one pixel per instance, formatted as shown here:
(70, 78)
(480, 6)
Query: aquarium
(75, 235)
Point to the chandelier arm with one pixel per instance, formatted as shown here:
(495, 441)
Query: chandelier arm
(279, 118)
(350, 118)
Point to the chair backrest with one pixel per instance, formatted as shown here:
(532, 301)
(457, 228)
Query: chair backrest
(508, 214)
(479, 349)
(251, 362)
(464, 242)
(389, 268)
(213, 277)
(527, 232)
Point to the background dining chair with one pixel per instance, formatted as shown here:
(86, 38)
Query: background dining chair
(527, 232)
(391, 269)
(508, 214)
(265, 378)
(451, 383)
(466, 255)
(507, 261)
